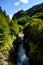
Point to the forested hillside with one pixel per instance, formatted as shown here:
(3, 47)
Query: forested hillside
(4, 28)
(30, 12)
(8, 32)
(22, 17)
(33, 36)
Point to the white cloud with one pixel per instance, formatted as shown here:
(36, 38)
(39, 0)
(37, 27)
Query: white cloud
(19, 9)
(24, 1)
(17, 3)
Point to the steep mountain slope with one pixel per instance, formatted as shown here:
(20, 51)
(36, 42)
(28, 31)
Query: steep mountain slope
(19, 14)
(35, 9)
(33, 35)
(22, 17)
(30, 12)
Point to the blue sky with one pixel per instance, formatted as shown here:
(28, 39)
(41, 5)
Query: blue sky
(12, 6)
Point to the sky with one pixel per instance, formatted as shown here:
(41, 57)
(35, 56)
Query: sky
(12, 6)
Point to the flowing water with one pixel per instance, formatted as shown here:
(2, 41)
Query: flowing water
(22, 58)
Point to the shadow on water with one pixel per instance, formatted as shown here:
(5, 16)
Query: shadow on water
(17, 54)
(22, 58)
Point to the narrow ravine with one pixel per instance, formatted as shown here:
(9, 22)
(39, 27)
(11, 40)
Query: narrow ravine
(22, 58)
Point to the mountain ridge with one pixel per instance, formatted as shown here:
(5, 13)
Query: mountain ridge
(29, 12)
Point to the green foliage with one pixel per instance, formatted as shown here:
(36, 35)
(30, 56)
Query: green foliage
(34, 37)
(19, 14)
(34, 30)
(14, 27)
(23, 20)
(4, 30)
(38, 15)
(5, 37)
(20, 22)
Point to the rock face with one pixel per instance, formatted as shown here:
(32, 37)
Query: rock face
(4, 58)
